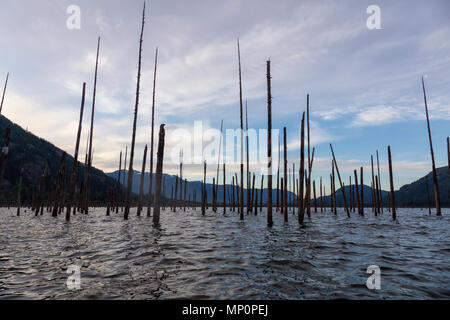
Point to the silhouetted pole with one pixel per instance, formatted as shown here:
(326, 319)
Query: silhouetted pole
(358, 200)
(391, 179)
(262, 190)
(435, 181)
(59, 184)
(158, 178)
(118, 184)
(301, 208)
(150, 186)
(269, 148)
(224, 190)
(379, 184)
(19, 188)
(133, 138)
(308, 185)
(241, 197)
(285, 175)
(362, 190)
(4, 91)
(204, 199)
(4, 152)
(141, 183)
(70, 203)
(91, 134)
(428, 195)
(340, 182)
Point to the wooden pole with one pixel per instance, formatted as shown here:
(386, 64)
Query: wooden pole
(269, 148)
(428, 195)
(158, 178)
(224, 190)
(118, 184)
(391, 179)
(358, 202)
(91, 134)
(379, 184)
(133, 137)
(435, 181)
(362, 190)
(150, 186)
(141, 183)
(285, 179)
(340, 181)
(308, 185)
(262, 190)
(241, 197)
(278, 175)
(70, 203)
(204, 199)
(301, 208)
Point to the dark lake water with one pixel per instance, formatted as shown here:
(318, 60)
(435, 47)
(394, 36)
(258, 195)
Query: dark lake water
(220, 257)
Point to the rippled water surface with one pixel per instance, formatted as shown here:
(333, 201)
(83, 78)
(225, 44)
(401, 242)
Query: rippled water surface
(219, 257)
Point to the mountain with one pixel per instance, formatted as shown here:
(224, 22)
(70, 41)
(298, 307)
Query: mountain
(191, 186)
(340, 199)
(415, 194)
(36, 149)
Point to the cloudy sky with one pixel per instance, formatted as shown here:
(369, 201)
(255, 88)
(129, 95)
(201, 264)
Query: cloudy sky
(364, 84)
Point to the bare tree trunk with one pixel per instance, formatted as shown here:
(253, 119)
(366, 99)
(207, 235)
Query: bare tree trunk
(133, 138)
(391, 179)
(241, 197)
(91, 134)
(150, 186)
(269, 148)
(435, 181)
(158, 178)
(301, 208)
(285, 179)
(358, 202)
(340, 181)
(428, 195)
(362, 190)
(141, 183)
(75, 158)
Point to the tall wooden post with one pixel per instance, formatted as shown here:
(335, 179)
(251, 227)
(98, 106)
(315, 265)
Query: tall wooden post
(435, 181)
(150, 186)
(358, 202)
(362, 190)
(391, 179)
(340, 181)
(158, 177)
(141, 183)
(269, 148)
(285, 179)
(70, 203)
(241, 197)
(133, 137)
(301, 208)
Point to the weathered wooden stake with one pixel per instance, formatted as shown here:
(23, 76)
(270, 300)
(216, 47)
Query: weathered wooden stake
(340, 181)
(269, 149)
(391, 179)
(133, 137)
(70, 203)
(241, 197)
(285, 178)
(150, 186)
(301, 207)
(158, 178)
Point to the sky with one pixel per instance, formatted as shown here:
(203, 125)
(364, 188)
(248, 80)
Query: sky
(364, 84)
